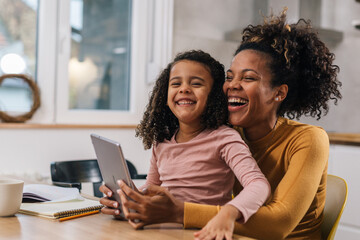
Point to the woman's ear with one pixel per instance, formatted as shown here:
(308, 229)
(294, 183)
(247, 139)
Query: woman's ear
(281, 94)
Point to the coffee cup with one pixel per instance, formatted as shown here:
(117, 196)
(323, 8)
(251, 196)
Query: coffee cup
(11, 191)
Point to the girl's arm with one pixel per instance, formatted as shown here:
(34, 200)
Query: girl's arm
(256, 189)
(291, 198)
(153, 176)
(221, 226)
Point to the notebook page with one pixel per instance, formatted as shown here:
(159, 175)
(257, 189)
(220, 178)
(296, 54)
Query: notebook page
(51, 193)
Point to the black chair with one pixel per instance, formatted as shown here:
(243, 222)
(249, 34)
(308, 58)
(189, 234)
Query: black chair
(133, 172)
(73, 173)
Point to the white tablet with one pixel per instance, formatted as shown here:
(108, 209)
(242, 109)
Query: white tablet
(112, 164)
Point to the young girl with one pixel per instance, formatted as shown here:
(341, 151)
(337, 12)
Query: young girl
(194, 155)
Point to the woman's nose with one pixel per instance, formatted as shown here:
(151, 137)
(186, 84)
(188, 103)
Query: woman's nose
(234, 85)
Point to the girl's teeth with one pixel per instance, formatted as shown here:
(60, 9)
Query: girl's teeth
(185, 102)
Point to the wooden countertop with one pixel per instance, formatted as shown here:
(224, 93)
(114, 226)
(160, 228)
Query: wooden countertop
(98, 226)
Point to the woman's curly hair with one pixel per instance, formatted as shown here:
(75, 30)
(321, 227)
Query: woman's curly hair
(159, 123)
(300, 60)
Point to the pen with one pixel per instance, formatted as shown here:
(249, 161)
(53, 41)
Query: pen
(78, 215)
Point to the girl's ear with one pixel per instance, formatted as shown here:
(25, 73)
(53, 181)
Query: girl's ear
(281, 94)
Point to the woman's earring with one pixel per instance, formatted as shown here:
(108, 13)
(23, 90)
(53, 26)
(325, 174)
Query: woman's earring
(276, 99)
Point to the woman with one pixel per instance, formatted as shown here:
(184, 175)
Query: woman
(278, 70)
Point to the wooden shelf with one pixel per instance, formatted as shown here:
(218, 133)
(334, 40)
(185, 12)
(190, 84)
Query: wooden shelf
(335, 138)
(345, 138)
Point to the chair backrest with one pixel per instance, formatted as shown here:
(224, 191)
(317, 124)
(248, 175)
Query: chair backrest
(76, 172)
(336, 196)
(133, 171)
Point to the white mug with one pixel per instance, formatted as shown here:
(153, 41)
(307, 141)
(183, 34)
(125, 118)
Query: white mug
(11, 191)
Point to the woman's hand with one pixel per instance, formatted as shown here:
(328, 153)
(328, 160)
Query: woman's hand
(110, 206)
(154, 205)
(221, 226)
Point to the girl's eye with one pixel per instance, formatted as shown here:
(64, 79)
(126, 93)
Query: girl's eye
(175, 84)
(228, 78)
(196, 84)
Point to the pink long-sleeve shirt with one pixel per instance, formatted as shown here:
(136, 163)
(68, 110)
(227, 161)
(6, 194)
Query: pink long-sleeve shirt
(202, 170)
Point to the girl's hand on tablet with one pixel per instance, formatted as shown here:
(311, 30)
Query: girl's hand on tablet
(110, 206)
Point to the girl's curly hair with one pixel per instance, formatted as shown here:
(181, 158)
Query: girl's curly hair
(159, 123)
(300, 60)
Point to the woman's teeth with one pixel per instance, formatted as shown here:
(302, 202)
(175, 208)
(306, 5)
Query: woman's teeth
(237, 101)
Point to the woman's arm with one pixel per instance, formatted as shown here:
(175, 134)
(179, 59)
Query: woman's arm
(110, 206)
(157, 205)
(291, 198)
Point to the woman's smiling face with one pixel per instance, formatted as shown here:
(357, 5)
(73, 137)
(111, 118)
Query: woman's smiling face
(248, 89)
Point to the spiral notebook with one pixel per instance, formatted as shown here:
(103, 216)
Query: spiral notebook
(56, 202)
(58, 210)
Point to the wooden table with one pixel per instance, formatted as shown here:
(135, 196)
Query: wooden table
(98, 226)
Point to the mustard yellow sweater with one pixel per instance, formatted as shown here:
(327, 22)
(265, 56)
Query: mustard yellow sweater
(294, 159)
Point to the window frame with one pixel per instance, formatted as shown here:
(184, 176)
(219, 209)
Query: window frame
(54, 52)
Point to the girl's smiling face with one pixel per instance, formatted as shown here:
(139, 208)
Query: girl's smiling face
(190, 84)
(248, 89)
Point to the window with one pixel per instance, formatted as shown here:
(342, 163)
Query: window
(94, 57)
(125, 101)
(99, 66)
(18, 25)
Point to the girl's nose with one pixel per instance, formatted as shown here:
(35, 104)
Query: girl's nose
(184, 88)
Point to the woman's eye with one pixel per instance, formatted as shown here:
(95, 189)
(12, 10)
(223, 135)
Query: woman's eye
(249, 78)
(228, 78)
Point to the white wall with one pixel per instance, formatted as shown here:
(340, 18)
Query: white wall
(30, 151)
(339, 15)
